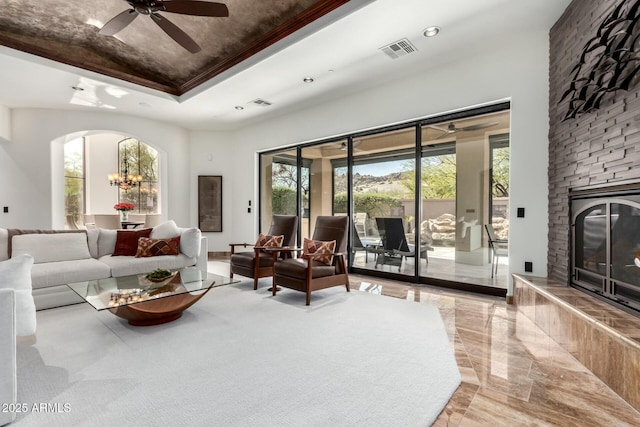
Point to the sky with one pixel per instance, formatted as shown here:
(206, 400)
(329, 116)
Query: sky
(380, 169)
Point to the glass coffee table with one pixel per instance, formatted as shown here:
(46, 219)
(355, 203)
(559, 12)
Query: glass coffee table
(143, 302)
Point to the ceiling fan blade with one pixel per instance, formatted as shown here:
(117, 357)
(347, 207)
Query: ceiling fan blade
(118, 22)
(478, 126)
(197, 8)
(440, 128)
(446, 133)
(176, 33)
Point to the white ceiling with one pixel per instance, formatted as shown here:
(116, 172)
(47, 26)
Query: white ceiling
(346, 42)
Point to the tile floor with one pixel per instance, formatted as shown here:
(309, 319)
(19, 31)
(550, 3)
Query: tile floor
(513, 374)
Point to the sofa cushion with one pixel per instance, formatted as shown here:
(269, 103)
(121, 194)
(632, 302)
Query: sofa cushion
(190, 242)
(92, 239)
(4, 244)
(128, 265)
(127, 241)
(15, 273)
(12, 232)
(8, 382)
(51, 247)
(64, 272)
(154, 247)
(106, 241)
(165, 230)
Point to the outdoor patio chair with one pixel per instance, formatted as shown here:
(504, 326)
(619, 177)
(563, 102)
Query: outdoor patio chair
(258, 263)
(499, 248)
(394, 248)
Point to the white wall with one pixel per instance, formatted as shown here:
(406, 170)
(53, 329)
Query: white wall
(28, 163)
(516, 68)
(5, 124)
(216, 153)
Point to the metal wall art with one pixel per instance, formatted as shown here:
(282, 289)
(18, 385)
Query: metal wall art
(609, 61)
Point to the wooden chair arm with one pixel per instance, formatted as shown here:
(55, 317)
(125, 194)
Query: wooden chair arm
(318, 255)
(241, 244)
(282, 249)
(233, 246)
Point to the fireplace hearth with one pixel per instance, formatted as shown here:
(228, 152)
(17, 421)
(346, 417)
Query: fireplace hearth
(605, 237)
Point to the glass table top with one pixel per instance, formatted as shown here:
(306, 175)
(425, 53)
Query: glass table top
(115, 292)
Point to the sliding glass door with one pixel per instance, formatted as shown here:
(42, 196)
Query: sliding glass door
(428, 223)
(465, 179)
(279, 186)
(383, 202)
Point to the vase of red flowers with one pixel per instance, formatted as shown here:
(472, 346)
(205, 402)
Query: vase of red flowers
(124, 209)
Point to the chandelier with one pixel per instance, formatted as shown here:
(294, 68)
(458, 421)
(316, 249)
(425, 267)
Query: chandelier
(125, 181)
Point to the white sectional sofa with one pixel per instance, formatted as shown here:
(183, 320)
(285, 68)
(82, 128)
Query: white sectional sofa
(7, 355)
(62, 257)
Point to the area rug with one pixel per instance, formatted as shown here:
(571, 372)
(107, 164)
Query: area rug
(242, 358)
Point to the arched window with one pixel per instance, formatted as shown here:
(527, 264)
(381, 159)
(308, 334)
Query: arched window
(74, 183)
(140, 159)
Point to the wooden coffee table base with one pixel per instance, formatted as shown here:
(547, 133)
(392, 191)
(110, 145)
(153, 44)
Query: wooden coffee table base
(157, 312)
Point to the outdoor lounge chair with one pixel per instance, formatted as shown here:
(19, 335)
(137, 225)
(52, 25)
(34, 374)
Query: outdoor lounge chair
(394, 248)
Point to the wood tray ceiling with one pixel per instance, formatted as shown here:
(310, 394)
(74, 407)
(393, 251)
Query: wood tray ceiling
(142, 53)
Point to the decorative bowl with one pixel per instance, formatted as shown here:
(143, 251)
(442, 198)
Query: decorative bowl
(158, 276)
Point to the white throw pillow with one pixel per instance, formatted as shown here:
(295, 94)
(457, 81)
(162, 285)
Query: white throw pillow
(190, 242)
(15, 273)
(166, 230)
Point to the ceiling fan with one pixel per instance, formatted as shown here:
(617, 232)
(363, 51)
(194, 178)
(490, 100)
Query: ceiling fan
(152, 9)
(452, 128)
(338, 148)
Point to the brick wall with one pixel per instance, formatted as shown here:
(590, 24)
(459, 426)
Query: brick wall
(595, 148)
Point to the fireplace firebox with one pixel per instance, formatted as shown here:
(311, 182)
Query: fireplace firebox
(606, 245)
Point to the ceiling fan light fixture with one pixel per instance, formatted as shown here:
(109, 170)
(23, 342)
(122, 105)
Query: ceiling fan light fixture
(432, 31)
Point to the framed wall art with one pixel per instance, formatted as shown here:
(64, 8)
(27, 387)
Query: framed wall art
(210, 203)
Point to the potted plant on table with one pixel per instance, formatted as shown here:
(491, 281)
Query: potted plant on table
(124, 209)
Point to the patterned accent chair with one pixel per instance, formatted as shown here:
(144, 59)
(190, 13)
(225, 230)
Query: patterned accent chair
(258, 263)
(308, 273)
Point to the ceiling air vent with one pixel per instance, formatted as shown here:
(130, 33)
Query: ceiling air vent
(398, 49)
(261, 102)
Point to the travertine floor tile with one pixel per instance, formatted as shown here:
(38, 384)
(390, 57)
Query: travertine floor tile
(513, 374)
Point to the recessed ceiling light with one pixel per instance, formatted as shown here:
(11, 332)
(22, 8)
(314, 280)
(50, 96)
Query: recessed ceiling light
(78, 88)
(239, 107)
(144, 104)
(431, 31)
(308, 80)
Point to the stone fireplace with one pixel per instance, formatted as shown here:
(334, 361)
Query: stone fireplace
(605, 244)
(593, 159)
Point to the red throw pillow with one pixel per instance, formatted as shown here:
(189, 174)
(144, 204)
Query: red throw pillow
(153, 247)
(127, 241)
(318, 247)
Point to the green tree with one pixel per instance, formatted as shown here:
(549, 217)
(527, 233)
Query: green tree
(374, 204)
(438, 177)
(74, 179)
(283, 200)
(500, 174)
(142, 160)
